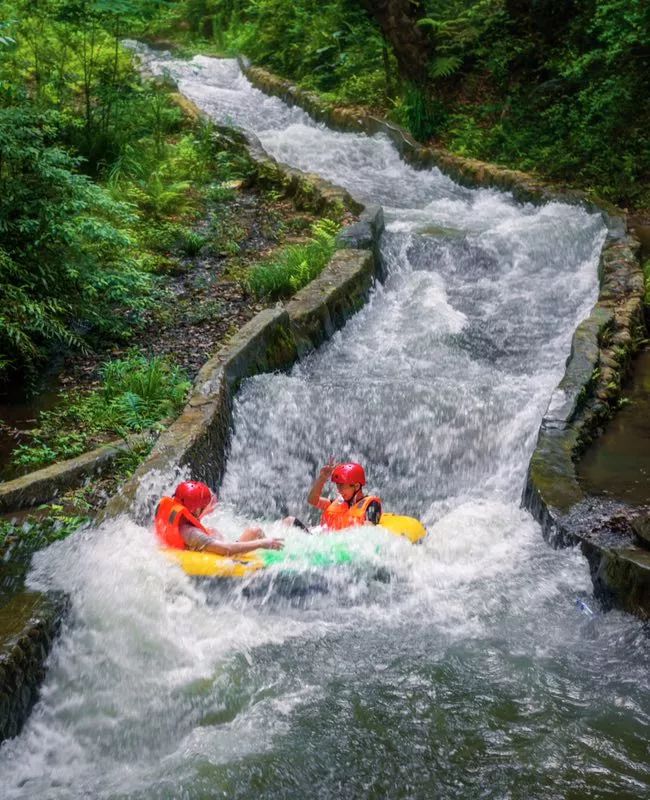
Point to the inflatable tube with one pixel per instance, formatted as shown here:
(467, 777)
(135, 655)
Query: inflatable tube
(212, 565)
(409, 527)
(215, 566)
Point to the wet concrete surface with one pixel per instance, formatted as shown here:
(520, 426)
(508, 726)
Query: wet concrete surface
(640, 227)
(617, 464)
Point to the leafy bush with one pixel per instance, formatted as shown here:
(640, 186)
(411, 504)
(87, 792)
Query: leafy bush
(220, 193)
(65, 263)
(136, 393)
(332, 46)
(67, 57)
(422, 116)
(204, 311)
(295, 266)
(465, 136)
(36, 455)
(160, 181)
(233, 166)
(75, 259)
(556, 87)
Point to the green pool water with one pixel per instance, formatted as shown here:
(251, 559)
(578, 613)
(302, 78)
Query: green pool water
(617, 465)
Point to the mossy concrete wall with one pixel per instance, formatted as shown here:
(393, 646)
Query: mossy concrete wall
(28, 625)
(44, 485)
(601, 352)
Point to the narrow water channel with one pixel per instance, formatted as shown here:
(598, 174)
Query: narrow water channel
(470, 673)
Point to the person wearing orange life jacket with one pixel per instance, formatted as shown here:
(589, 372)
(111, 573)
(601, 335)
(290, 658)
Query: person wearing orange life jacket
(352, 507)
(178, 524)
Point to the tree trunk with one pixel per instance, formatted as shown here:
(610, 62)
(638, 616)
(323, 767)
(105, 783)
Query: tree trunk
(412, 46)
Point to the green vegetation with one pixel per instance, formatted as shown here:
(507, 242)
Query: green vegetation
(329, 46)
(560, 88)
(292, 267)
(646, 275)
(74, 509)
(136, 394)
(37, 532)
(101, 179)
(64, 249)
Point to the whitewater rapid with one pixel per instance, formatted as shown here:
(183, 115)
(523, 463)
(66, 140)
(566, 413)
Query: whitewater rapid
(460, 668)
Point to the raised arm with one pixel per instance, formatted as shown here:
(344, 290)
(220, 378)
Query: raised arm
(314, 497)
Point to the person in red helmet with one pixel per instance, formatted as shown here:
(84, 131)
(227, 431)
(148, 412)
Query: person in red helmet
(178, 524)
(352, 507)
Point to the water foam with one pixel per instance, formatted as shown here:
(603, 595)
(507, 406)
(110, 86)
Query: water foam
(445, 669)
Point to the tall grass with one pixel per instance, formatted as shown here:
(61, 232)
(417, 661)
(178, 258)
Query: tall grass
(136, 393)
(296, 265)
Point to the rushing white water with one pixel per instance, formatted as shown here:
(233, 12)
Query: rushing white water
(470, 672)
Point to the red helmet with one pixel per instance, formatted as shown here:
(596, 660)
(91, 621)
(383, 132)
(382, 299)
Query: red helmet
(194, 495)
(348, 473)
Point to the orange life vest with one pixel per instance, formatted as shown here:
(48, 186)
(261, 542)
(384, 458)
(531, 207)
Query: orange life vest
(169, 515)
(340, 515)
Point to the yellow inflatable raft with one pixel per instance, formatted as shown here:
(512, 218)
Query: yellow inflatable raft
(410, 527)
(215, 566)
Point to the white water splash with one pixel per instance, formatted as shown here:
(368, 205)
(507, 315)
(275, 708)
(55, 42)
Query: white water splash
(162, 687)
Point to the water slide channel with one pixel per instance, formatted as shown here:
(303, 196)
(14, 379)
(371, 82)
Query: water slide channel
(470, 673)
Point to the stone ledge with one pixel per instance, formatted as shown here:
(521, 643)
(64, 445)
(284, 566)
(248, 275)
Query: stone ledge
(28, 625)
(589, 390)
(46, 484)
(641, 529)
(365, 233)
(585, 399)
(621, 576)
(321, 307)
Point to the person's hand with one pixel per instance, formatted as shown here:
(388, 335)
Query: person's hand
(328, 469)
(272, 544)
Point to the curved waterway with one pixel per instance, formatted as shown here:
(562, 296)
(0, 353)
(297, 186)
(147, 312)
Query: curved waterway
(460, 668)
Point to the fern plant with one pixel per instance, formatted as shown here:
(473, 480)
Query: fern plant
(65, 261)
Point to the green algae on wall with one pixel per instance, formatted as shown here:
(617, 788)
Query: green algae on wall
(28, 624)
